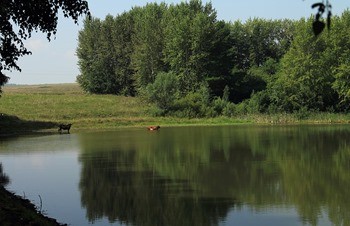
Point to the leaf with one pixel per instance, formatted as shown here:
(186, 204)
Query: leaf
(321, 8)
(317, 27)
(320, 4)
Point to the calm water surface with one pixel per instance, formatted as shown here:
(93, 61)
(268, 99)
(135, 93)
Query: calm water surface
(225, 175)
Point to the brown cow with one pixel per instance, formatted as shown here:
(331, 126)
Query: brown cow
(153, 128)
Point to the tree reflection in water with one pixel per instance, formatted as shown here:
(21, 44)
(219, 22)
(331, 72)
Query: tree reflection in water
(4, 179)
(196, 176)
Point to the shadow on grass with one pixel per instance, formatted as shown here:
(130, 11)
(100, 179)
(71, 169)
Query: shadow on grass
(12, 125)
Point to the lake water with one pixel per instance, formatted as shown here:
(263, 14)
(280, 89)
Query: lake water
(223, 175)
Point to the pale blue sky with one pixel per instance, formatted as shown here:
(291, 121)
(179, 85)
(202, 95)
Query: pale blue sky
(56, 62)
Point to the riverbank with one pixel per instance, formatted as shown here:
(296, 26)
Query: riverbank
(27, 109)
(15, 211)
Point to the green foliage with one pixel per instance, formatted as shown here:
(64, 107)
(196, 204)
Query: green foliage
(163, 92)
(339, 51)
(200, 104)
(302, 113)
(229, 110)
(87, 53)
(342, 85)
(183, 41)
(221, 60)
(190, 106)
(67, 103)
(148, 41)
(312, 73)
(221, 106)
(104, 55)
(260, 66)
(257, 46)
(257, 103)
(189, 37)
(18, 19)
(218, 106)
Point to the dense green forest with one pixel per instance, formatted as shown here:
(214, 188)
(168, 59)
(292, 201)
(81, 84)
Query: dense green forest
(190, 64)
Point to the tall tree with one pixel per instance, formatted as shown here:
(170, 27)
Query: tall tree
(29, 16)
(147, 58)
(221, 60)
(339, 52)
(88, 54)
(104, 52)
(254, 44)
(305, 78)
(122, 35)
(105, 58)
(188, 42)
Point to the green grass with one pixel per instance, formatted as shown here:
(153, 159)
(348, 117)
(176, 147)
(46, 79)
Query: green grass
(59, 104)
(41, 107)
(46, 106)
(68, 104)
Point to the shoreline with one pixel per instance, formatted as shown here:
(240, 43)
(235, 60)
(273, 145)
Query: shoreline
(13, 131)
(15, 210)
(54, 104)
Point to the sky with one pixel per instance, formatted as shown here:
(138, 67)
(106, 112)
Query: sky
(56, 61)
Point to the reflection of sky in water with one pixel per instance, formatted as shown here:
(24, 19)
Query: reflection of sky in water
(49, 166)
(51, 170)
(53, 176)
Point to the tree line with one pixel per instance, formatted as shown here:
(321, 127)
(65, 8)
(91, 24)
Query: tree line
(189, 63)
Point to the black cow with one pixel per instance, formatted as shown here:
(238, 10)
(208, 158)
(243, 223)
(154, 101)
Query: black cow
(64, 127)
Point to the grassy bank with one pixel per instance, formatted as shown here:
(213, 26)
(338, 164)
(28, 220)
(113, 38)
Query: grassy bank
(42, 107)
(25, 109)
(15, 210)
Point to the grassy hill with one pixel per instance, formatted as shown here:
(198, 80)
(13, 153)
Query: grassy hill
(28, 108)
(44, 106)
(40, 108)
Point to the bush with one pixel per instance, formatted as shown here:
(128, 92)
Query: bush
(190, 106)
(229, 110)
(302, 113)
(241, 108)
(194, 104)
(156, 112)
(163, 91)
(219, 105)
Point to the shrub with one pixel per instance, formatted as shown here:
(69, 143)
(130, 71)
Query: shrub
(219, 105)
(302, 113)
(241, 108)
(190, 105)
(194, 104)
(163, 91)
(229, 110)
